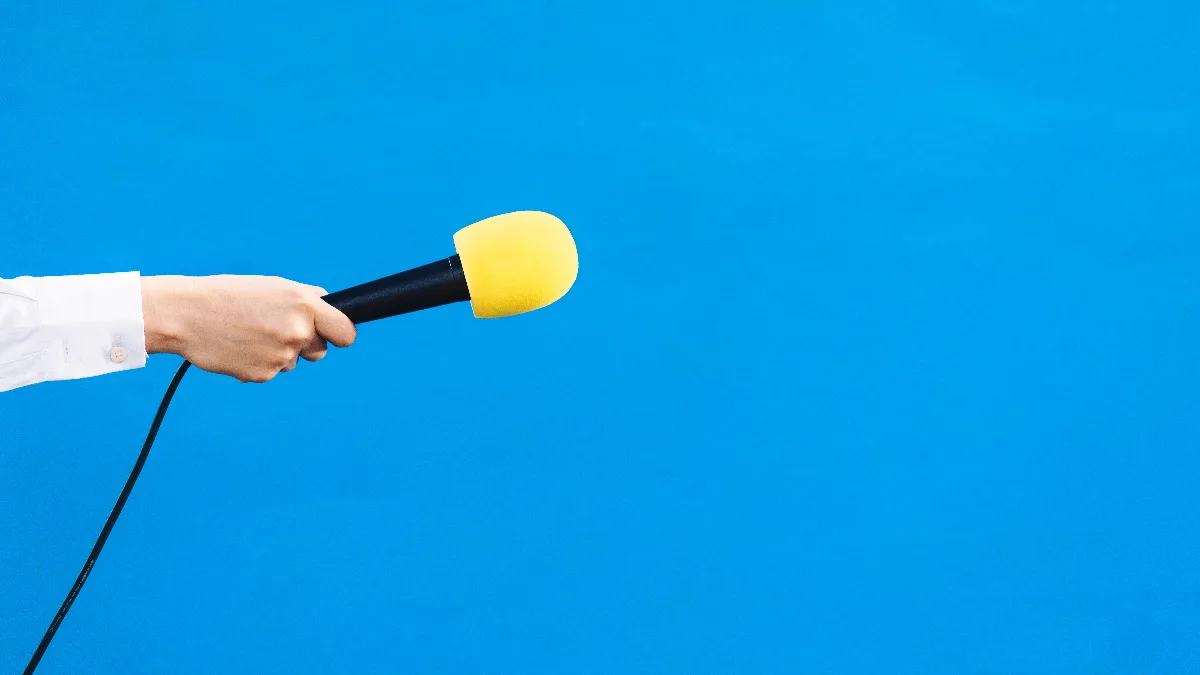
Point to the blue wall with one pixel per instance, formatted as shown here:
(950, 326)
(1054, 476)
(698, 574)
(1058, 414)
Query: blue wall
(882, 359)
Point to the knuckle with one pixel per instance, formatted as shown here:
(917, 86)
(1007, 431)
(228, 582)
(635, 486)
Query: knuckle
(298, 332)
(297, 296)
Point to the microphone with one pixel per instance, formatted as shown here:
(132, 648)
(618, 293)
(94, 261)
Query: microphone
(504, 265)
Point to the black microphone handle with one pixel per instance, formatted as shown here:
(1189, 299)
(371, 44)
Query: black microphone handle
(432, 285)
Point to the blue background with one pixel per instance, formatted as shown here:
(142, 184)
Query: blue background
(882, 359)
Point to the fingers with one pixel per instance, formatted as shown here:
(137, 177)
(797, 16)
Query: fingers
(316, 350)
(258, 377)
(332, 325)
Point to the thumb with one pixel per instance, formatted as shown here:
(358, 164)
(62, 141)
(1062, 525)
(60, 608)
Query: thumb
(333, 325)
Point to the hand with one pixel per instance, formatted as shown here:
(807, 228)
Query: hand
(251, 328)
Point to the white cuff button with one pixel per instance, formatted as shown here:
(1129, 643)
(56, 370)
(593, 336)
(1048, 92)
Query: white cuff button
(117, 355)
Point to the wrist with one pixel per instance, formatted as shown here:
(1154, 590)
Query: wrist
(165, 302)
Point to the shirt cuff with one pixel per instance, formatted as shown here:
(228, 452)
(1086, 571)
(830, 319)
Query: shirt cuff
(90, 324)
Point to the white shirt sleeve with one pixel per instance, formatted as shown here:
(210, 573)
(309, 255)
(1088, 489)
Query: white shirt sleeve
(65, 328)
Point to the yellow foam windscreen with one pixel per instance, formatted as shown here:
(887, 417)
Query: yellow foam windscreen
(516, 262)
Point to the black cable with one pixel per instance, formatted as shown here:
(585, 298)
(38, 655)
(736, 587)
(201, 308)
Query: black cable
(108, 526)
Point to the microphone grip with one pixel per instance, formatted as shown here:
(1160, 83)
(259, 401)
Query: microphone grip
(432, 285)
